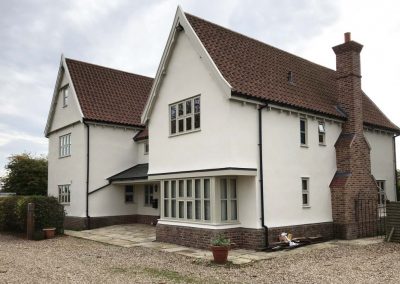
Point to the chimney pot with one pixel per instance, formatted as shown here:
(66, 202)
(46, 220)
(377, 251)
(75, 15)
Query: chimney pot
(347, 37)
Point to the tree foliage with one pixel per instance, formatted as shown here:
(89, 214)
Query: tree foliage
(26, 175)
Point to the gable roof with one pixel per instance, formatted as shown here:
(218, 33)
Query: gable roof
(109, 95)
(259, 71)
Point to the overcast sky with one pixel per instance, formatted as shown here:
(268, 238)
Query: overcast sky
(130, 35)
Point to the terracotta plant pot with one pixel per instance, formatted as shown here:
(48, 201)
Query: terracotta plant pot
(49, 233)
(220, 253)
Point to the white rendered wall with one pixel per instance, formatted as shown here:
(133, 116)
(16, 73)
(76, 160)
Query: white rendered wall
(382, 160)
(286, 162)
(142, 158)
(69, 170)
(65, 115)
(142, 209)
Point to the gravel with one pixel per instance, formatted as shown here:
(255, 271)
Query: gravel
(70, 260)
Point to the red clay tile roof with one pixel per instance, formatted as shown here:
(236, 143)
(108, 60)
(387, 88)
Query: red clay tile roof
(109, 95)
(258, 70)
(142, 135)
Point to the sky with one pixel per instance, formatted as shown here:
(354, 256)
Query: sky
(130, 35)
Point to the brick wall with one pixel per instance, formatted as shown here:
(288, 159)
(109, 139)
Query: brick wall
(393, 220)
(325, 230)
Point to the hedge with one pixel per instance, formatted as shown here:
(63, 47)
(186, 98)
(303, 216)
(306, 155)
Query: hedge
(13, 213)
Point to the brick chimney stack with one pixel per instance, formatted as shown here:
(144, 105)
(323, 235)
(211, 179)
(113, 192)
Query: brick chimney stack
(353, 182)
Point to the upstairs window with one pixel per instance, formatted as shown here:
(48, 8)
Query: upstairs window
(321, 132)
(303, 132)
(129, 194)
(65, 145)
(185, 116)
(305, 190)
(146, 147)
(65, 95)
(381, 193)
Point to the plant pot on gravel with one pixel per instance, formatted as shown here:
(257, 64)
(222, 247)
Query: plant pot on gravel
(49, 233)
(220, 248)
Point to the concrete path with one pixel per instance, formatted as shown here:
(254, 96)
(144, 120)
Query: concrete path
(138, 235)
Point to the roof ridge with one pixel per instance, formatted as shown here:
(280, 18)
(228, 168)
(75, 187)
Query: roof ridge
(108, 68)
(259, 41)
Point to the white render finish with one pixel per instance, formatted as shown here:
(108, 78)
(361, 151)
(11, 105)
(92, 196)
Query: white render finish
(382, 160)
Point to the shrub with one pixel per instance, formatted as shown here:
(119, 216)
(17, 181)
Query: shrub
(48, 213)
(221, 241)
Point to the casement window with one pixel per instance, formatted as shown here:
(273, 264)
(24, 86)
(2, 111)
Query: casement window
(321, 132)
(146, 147)
(185, 116)
(381, 193)
(65, 145)
(64, 194)
(228, 199)
(129, 198)
(303, 132)
(149, 190)
(305, 190)
(65, 95)
(187, 199)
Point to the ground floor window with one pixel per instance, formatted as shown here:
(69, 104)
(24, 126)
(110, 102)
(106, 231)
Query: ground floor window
(305, 190)
(200, 199)
(381, 193)
(64, 194)
(129, 198)
(149, 190)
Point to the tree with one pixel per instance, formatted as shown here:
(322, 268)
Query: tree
(26, 175)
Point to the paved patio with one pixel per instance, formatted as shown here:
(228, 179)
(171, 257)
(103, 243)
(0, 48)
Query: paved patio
(138, 235)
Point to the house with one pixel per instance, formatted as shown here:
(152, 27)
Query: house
(232, 136)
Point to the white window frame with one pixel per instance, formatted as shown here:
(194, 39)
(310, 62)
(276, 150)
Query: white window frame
(305, 191)
(229, 199)
(185, 116)
(381, 192)
(321, 133)
(65, 95)
(187, 198)
(64, 194)
(129, 193)
(64, 145)
(149, 190)
(305, 132)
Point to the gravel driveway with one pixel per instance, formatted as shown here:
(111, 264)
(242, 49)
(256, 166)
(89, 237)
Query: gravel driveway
(71, 260)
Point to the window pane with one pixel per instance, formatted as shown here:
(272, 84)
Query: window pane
(189, 188)
(173, 112)
(224, 210)
(305, 199)
(173, 126)
(197, 105)
(197, 120)
(166, 207)
(233, 188)
(206, 188)
(181, 193)
(181, 209)
(180, 109)
(173, 208)
(166, 189)
(302, 125)
(233, 210)
(173, 189)
(188, 123)
(189, 208)
(180, 125)
(189, 107)
(224, 189)
(197, 192)
(304, 184)
(302, 138)
(197, 209)
(321, 128)
(207, 213)
(321, 138)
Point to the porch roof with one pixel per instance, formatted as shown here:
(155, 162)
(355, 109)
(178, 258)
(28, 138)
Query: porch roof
(137, 172)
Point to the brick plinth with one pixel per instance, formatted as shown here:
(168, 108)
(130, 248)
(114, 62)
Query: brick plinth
(306, 230)
(201, 238)
(80, 223)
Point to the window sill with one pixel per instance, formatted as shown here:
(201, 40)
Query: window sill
(65, 204)
(183, 133)
(322, 144)
(64, 157)
(303, 145)
(306, 206)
